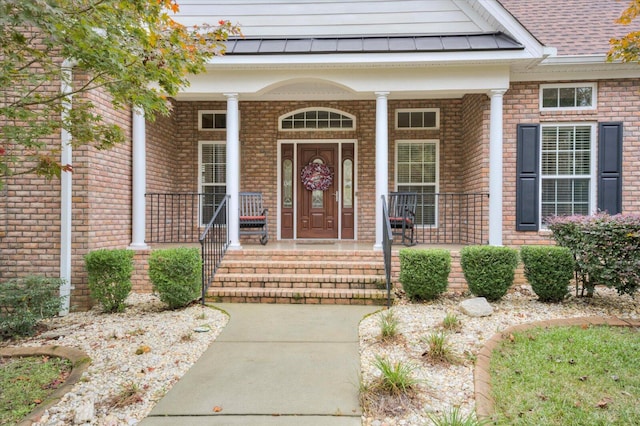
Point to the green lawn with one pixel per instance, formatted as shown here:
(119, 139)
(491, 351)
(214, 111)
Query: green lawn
(26, 382)
(568, 376)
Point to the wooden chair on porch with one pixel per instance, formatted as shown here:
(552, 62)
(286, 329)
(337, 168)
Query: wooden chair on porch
(253, 216)
(402, 215)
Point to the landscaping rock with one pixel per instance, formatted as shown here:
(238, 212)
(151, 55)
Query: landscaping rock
(85, 412)
(476, 307)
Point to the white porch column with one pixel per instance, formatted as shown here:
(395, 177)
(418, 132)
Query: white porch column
(495, 169)
(382, 161)
(233, 170)
(139, 184)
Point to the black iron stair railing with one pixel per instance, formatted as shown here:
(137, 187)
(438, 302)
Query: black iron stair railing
(214, 242)
(387, 241)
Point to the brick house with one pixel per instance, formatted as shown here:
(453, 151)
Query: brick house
(497, 112)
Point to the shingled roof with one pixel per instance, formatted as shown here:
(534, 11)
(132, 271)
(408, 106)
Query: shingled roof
(574, 27)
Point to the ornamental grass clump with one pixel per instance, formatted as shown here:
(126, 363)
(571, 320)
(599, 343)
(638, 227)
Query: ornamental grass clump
(451, 322)
(440, 350)
(388, 326)
(489, 270)
(110, 277)
(176, 274)
(396, 377)
(549, 270)
(455, 417)
(393, 391)
(424, 274)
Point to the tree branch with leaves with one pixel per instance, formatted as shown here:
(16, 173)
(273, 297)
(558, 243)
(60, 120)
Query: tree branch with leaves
(133, 50)
(626, 48)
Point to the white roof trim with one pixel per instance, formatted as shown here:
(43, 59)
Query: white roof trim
(372, 59)
(575, 59)
(516, 30)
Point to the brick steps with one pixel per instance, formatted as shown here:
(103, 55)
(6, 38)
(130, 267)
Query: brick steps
(303, 255)
(311, 267)
(270, 280)
(300, 276)
(298, 295)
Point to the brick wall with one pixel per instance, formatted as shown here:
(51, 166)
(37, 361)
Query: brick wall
(616, 101)
(259, 135)
(101, 209)
(29, 207)
(30, 236)
(162, 152)
(475, 157)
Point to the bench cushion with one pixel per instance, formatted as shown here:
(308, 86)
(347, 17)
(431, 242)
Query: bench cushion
(397, 222)
(252, 221)
(253, 218)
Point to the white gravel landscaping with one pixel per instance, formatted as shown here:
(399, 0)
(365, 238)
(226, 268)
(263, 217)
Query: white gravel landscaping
(148, 349)
(145, 347)
(444, 387)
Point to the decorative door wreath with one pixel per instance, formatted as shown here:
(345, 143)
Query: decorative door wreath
(316, 177)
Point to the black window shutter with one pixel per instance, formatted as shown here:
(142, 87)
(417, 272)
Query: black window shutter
(610, 168)
(527, 177)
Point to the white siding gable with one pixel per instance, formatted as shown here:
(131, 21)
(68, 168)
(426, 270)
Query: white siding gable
(265, 18)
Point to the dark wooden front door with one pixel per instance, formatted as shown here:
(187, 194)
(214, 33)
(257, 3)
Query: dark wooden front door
(318, 210)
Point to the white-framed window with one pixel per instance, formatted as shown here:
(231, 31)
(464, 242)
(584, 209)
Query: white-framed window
(317, 119)
(567, 170)
(418, 118)
(417, 170)
(212, 164)
(212, 120)
(568, 96)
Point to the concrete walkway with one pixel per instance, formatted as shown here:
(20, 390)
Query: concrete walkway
(273, 365)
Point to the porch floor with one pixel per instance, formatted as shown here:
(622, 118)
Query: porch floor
(322, 245)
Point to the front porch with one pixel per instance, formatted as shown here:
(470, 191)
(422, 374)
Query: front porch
(441, 219)
(315, 271)
(322, 165)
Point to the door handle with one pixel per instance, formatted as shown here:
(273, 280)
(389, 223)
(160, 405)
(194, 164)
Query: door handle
(337, 195)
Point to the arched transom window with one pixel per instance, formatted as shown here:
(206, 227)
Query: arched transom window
(317, 119)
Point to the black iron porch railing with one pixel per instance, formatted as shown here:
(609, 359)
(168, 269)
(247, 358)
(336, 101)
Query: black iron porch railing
(214, 242)
(452, 218)
(441, 218)
(178, 217)
(387, 241)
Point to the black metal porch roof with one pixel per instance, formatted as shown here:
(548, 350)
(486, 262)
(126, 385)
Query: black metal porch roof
(372, 44)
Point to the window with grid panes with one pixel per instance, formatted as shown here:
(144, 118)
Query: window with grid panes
(568, 96)
(213, 177)
(417, 171)
(566, 170)
(212, 120)
(423, 118)
(317, 119)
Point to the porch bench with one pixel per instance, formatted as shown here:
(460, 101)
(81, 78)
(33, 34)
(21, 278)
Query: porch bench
(253, 216)
(402, 215)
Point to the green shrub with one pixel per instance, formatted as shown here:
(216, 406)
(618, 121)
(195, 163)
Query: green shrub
(110, 277)
(549, 270)
(25, 301)
(176, 275)
(606, 249)
(489, 270)
(424, 274)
